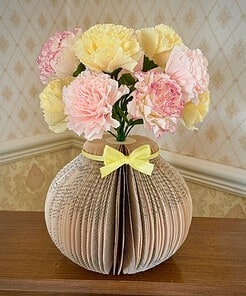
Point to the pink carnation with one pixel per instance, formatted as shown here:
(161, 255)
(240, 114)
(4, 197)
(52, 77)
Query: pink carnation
(88, 103)
(189, 69)
(57, 59)
(157, 100)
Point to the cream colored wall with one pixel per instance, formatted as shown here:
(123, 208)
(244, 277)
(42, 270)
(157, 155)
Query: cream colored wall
(211, 202)
(24, 184)
(217, 27)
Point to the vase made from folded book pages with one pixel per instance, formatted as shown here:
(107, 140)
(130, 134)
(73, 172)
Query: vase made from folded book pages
(126, 222)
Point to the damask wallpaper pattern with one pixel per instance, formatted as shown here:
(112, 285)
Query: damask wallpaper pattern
(24, 184)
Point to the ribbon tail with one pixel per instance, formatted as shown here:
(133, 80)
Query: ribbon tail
(143, 167)
(104, 171)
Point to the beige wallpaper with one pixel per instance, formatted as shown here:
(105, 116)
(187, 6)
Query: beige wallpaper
(24, 184)
(217, 27)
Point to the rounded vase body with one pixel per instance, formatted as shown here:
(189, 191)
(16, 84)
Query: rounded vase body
(125, 222)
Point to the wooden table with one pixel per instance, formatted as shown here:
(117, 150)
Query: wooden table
(212, 261)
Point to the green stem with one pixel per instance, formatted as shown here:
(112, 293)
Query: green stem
(121, 136)
(112, 134)
(129, 129)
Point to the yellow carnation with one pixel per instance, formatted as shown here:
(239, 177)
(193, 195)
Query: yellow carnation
(107, 47)
(193, 113)
(158, 42)
(52, 104)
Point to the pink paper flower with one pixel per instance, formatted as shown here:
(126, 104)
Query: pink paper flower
(158, 101)
(88, 103)
(189, 69)
(57, 58)
(199, 66)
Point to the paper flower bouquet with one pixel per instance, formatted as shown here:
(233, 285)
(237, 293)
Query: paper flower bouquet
(135, 211)
(110, 78)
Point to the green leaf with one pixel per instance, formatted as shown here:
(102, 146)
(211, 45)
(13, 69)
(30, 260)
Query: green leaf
(116, 116)
(114, 74)
(148, 64)
(138, 121)
(123, 115)
(81, 67)
(125, 102)
(127, 79)
(115, 113)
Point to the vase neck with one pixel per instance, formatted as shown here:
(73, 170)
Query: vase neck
(96, 147)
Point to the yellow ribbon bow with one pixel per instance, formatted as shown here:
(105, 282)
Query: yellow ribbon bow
(138, 159)
(113, 159)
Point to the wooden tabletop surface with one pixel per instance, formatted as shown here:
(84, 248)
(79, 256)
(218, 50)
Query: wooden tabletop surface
(212, 261)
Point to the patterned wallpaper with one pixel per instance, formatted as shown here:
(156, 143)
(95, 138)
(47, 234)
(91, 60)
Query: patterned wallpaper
(24, 184)
(217, 27)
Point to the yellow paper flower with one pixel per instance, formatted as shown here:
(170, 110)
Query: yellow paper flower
(158, 42)
(52, 104)
(193, 113)
(106, 47)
